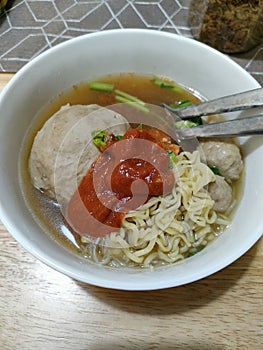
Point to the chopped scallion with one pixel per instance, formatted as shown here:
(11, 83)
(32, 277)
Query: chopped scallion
(98, 137)
(137, 105)
(172, 159)
(163, 84)
(167, 85)
(104, 87)
(120, 96)
(197, 120)
(128, 97)
(215, 169)
(182, 124)
(181, 104)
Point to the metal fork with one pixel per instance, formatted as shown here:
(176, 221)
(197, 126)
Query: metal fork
(241, 101)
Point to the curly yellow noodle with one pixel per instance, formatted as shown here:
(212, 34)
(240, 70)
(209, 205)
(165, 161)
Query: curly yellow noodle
(167, 228)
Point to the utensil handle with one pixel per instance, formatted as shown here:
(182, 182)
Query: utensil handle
(232, 128)
(241, 101)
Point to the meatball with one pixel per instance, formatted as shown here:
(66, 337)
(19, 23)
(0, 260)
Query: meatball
(221, 193)
(226, 156)
(63, 150)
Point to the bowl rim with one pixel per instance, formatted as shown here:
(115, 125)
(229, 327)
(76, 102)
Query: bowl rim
(38, 253)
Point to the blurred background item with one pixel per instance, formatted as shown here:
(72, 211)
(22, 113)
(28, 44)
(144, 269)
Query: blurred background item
(230, 26)
(2, 5)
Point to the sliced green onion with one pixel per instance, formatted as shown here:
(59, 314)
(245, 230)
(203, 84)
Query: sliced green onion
(215, 170)
(163, 84)
(196, 120)
(172, 159)
(182, 124)
(98, 137)
(181, 104)
(123, 97)
(132, 103)
(185, 103)
(139, 126)
(120, 96)
(104, 87)
(119, 137)
(167, 85)
(129, 97)
(172, 156)
(178, 88)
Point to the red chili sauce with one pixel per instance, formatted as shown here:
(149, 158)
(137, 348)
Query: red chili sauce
(126, 175)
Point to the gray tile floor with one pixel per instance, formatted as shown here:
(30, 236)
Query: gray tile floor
(29, 27)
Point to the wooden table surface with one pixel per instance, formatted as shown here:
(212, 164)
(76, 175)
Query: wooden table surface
(43, 309)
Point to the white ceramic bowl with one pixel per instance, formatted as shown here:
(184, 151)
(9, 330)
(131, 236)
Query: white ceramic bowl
(131, 50)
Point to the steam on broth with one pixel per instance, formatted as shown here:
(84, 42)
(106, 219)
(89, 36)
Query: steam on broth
(139, 241)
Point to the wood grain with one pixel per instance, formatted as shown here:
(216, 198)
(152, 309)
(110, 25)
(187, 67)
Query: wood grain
(43, 309)
(4, 79)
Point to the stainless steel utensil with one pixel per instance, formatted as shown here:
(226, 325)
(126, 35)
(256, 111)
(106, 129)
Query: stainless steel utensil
(236, 127)
(241, 101)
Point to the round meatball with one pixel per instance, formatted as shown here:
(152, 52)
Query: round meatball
(221, 193)
(63, 150)
(226, 156)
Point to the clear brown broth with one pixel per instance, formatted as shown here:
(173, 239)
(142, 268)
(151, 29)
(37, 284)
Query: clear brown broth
(45, 211)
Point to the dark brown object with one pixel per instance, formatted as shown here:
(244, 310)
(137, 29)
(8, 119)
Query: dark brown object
(2, 5)
(229, 26)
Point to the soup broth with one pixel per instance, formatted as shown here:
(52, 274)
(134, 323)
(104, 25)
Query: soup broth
(47, 212)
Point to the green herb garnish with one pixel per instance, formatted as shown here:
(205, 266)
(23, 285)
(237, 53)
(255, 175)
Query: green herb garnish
(98, 137)
(215, 169)
(136, 105)
(129, 97)
(123, 97)
(172, 159)
(120, 96)
(182, 124)
(186, 103)
(196, 120)
(103, 87)
(167, 85)
(181, 104)
(163, 84)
